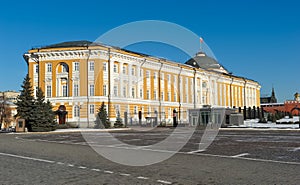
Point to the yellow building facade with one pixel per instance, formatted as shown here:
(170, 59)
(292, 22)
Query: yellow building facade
(82, 75)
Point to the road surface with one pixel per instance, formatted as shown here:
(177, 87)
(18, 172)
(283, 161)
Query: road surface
(235, 157)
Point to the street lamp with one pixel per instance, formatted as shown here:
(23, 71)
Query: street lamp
(79, 107)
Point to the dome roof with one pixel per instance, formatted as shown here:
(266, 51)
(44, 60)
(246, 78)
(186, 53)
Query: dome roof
(201, 60)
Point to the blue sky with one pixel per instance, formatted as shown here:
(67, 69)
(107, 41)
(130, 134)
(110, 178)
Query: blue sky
(256, 39)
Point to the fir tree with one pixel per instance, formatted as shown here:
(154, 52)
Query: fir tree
(43, 117)
(25, 103)
(119, 122)
(37, 113)
(101, 119)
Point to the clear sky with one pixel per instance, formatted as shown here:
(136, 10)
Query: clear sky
(256, 39)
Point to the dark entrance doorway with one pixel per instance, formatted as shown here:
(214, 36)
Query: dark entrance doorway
(62, 114)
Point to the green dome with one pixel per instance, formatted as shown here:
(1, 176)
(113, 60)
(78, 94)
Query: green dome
(201, 60)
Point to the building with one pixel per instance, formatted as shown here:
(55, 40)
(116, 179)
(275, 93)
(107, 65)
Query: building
(81, 75)
(297, 96)
(288, 107)
(10, 96)
(269, 99)
(7, 101)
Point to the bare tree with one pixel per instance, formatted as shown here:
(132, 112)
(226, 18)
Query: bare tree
(5, 112)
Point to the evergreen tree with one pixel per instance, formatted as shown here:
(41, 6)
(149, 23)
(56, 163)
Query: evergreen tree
(43, 117)
(119, 122)
(101, 119)
(25, 103)
(37, 113)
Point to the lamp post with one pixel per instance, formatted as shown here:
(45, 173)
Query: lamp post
(174, 118)
(79, 107)
(231, 103)
(299, 117)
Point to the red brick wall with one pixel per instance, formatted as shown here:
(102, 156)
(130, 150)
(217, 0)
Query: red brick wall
(287, 107)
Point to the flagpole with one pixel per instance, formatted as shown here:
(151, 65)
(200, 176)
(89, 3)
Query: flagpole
(201, 42)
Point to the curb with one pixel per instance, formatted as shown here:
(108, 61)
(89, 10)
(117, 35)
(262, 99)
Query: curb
(261, 129)
(61, 131)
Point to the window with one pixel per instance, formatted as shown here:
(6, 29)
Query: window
(76, 111)
(76, 90)
(141, 93)
(135, 109)
(115, 90)
(48, 94)
(92, 109)
(117, 110)
(132, 71)
(124, 91)
(91, 66)
(64, 68)
(155, 76)
(162, 96)
(49, 68)
(147, 74)
(76, 66)
(92, 90)
(169, 111)
(203, 99)
(133, 92)
(104, 67)
(115, 68)
(124, 70)
(169, 78)
(155, 95)
(35, 91)
(169, 96)
(148, 94)
(36, 68)
(65, 90)
(104, 90)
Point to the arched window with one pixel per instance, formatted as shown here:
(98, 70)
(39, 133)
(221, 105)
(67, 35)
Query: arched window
(64, 68)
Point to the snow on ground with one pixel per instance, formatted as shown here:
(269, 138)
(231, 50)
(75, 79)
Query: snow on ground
(254, 124)
(287, 119)
(88, 130)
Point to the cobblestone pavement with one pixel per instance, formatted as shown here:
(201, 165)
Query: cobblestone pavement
(235, 157)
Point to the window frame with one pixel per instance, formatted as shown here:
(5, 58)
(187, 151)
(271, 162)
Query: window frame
(76, 90)
(76, 111)
(91, 66)
(48, 91)
(91, 90)
(49, 68)
(76, 66)
(92, 109)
